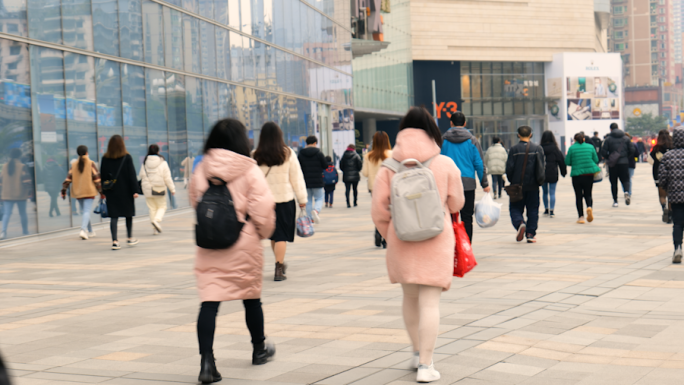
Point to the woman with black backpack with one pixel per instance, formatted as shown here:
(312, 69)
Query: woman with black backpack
(235, 272)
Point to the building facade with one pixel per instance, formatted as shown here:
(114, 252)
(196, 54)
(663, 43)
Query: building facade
(77, 72)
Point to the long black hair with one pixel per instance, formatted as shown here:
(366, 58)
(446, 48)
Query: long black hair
(664, 141)
(549, 138)
(272, 150)
(81, 151)
(419, 117)
(154, 151)
(15, 155)
(229, 134)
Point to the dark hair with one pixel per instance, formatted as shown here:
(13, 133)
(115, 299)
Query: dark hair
(229, 134)
(311, 139)
(81, 151)
(627, 134)
(15, 154)
(152, 150)
(579, 137)
(328, 159)
(525, 131)
(381, 144)
(496, 140)
(116, 148)
(613, 126)
(271, 150)
(596, 133)
(548, 138)
(419, 117)
(458, 119)
(664, 141)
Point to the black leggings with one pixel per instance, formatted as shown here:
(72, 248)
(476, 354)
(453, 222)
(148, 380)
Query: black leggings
(206, 323)
(618, 171)
(347, 188)
(583, 185)
(113, 226)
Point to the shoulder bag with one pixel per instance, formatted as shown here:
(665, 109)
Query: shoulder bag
(515, 191)
(615, 156)
(109, 183)
(156, 191)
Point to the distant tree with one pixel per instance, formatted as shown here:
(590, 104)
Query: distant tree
(646, 124)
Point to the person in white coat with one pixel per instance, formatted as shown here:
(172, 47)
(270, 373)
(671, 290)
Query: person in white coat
(495, 162)
(155, 177)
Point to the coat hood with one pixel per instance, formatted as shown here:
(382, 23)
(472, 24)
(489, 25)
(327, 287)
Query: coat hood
(678, 137)
(225, 164)
(458, 135)
(153, 161)
(617, 133)
(414, 143)
(309, 151)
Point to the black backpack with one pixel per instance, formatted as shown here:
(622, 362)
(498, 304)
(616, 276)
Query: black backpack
(217, 225)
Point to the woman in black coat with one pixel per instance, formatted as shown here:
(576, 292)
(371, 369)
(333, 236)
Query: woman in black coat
(554, 161)
(351, 164)
(117, 167)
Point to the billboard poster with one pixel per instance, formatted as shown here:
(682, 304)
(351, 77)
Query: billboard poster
(593, 98)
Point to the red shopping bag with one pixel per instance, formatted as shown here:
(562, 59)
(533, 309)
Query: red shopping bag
(464, 259)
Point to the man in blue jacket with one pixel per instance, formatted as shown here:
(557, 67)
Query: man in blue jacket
(461, 146)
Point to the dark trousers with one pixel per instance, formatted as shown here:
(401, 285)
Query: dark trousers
(620, 171)
(467, 213)
(206, 323)
(329, 194)
(113, 227)
(347, 188)
(678, 220)
(530, 202)
(583, 185)
(497, 183)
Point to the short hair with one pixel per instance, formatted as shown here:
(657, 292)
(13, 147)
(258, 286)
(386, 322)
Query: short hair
(328, 159)
(420, 118)
(579, 137)
(613, 126)
(496, 139)
(596, 133)
(525, 131)
(458, 119)
(311, 139)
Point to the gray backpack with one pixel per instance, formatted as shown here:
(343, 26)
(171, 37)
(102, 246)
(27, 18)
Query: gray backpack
(415, 204)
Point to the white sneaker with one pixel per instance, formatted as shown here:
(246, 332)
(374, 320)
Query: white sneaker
(415, 361)
(83, 235)
(316, 217)
(615, 204)
(157, 226)
(91, 234)
(427, 373)
(3, 235)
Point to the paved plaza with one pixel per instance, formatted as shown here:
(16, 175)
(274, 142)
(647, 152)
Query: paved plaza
(598, 303)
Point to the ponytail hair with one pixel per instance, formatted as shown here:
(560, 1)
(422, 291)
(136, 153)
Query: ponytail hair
(15, 154)
(152, 150)
(579, 137)
(81, 151)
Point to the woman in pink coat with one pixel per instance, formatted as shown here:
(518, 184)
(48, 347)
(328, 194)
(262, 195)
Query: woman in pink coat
(423, 268)
(236, 272)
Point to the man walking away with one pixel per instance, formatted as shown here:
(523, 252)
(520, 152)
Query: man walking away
(313, 163)
(671, 179)
(597, 142)
(616, 150)
(464, 149)
(534, 177)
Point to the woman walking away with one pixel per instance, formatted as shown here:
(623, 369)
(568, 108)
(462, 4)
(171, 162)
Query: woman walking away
(350, 164)
(330, 178)
(85, 181)
(583, 159)
(15, 189)
(120, 187)
(233, 273)
(495, 163)
(423, 268)
(671, 179)
(286, 181)
(155, 178)
(372, 162)
(554, 161)
(663, 145)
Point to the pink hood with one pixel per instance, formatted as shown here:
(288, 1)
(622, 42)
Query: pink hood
(225, 164)
(416, 144)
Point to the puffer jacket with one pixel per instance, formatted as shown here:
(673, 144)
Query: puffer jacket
(351, 165)
(618, 141)
(671, 171)
(495, 159)
(286, 181)
(583, 159)
(554, 161)
(155, 173)
(313, 163)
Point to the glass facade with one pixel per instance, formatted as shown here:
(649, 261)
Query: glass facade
(172, 69)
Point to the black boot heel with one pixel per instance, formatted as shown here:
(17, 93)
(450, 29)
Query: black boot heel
(208, 373)
(262, 353)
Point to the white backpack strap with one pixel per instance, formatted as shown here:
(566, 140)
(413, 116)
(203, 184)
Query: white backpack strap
(427, 163)
(392, 164)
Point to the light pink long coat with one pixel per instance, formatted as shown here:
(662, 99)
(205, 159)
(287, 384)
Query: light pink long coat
(234, 273)
(429, 262)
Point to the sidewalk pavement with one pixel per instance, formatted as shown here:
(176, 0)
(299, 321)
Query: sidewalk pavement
(597, 303)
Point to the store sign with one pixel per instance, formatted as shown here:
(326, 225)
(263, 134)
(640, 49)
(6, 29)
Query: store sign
(636, 112)
(447, 107)
(447, 78)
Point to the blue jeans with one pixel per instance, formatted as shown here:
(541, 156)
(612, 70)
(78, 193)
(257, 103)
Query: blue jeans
(86, 208)
(631, 178)
(549, 193)
(7, 207)
(530, 202)
(314, 194)
(497, 184)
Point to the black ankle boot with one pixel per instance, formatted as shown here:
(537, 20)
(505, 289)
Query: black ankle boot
(262, 352)
(208, 373)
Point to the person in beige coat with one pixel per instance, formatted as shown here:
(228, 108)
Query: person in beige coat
(372, 161)
(155, 178)
(423, 268)
(286, 181)
(233, 273)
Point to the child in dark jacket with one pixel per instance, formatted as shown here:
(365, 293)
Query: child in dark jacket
(330, 178)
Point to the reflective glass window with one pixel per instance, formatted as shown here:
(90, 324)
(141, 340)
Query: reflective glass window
(234, 14)
(155, 93)
(223, 97)
(194, 112)
(153, 28)
(190, 5)
(191, 44)
(178, 136)
(14, 20)
(270, 62)
(295, 26)
(106, 27)
(236, 63)
(131, 29)
(222, 53)
(77, 24)
(248, 58)
(135, 119)
(45, 20)
(17, 167)
(246, 17)
(279, 31)
(206, 8)
(268, 20)
(210, 105)
(260, 64)
(109, 102)
(208, 40)
(173, 38)
(221, 11)
(249, 107)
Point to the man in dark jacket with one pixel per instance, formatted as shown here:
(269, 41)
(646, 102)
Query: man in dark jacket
(535, 171)
(350, 164)
(313, 163)
(597, 142)
(671, 179)
(616, 151)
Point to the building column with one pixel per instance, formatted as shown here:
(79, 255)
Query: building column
(369, 129)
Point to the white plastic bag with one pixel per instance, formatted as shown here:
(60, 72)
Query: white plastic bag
(487, 211)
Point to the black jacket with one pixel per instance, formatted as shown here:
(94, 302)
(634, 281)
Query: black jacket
(671, 170)
(554, 161)
(535, 172)
(617, 141)
(350, 164)
(597, 142)
(657, 153)
(120, 201)
(632, 159)
(312, 162)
